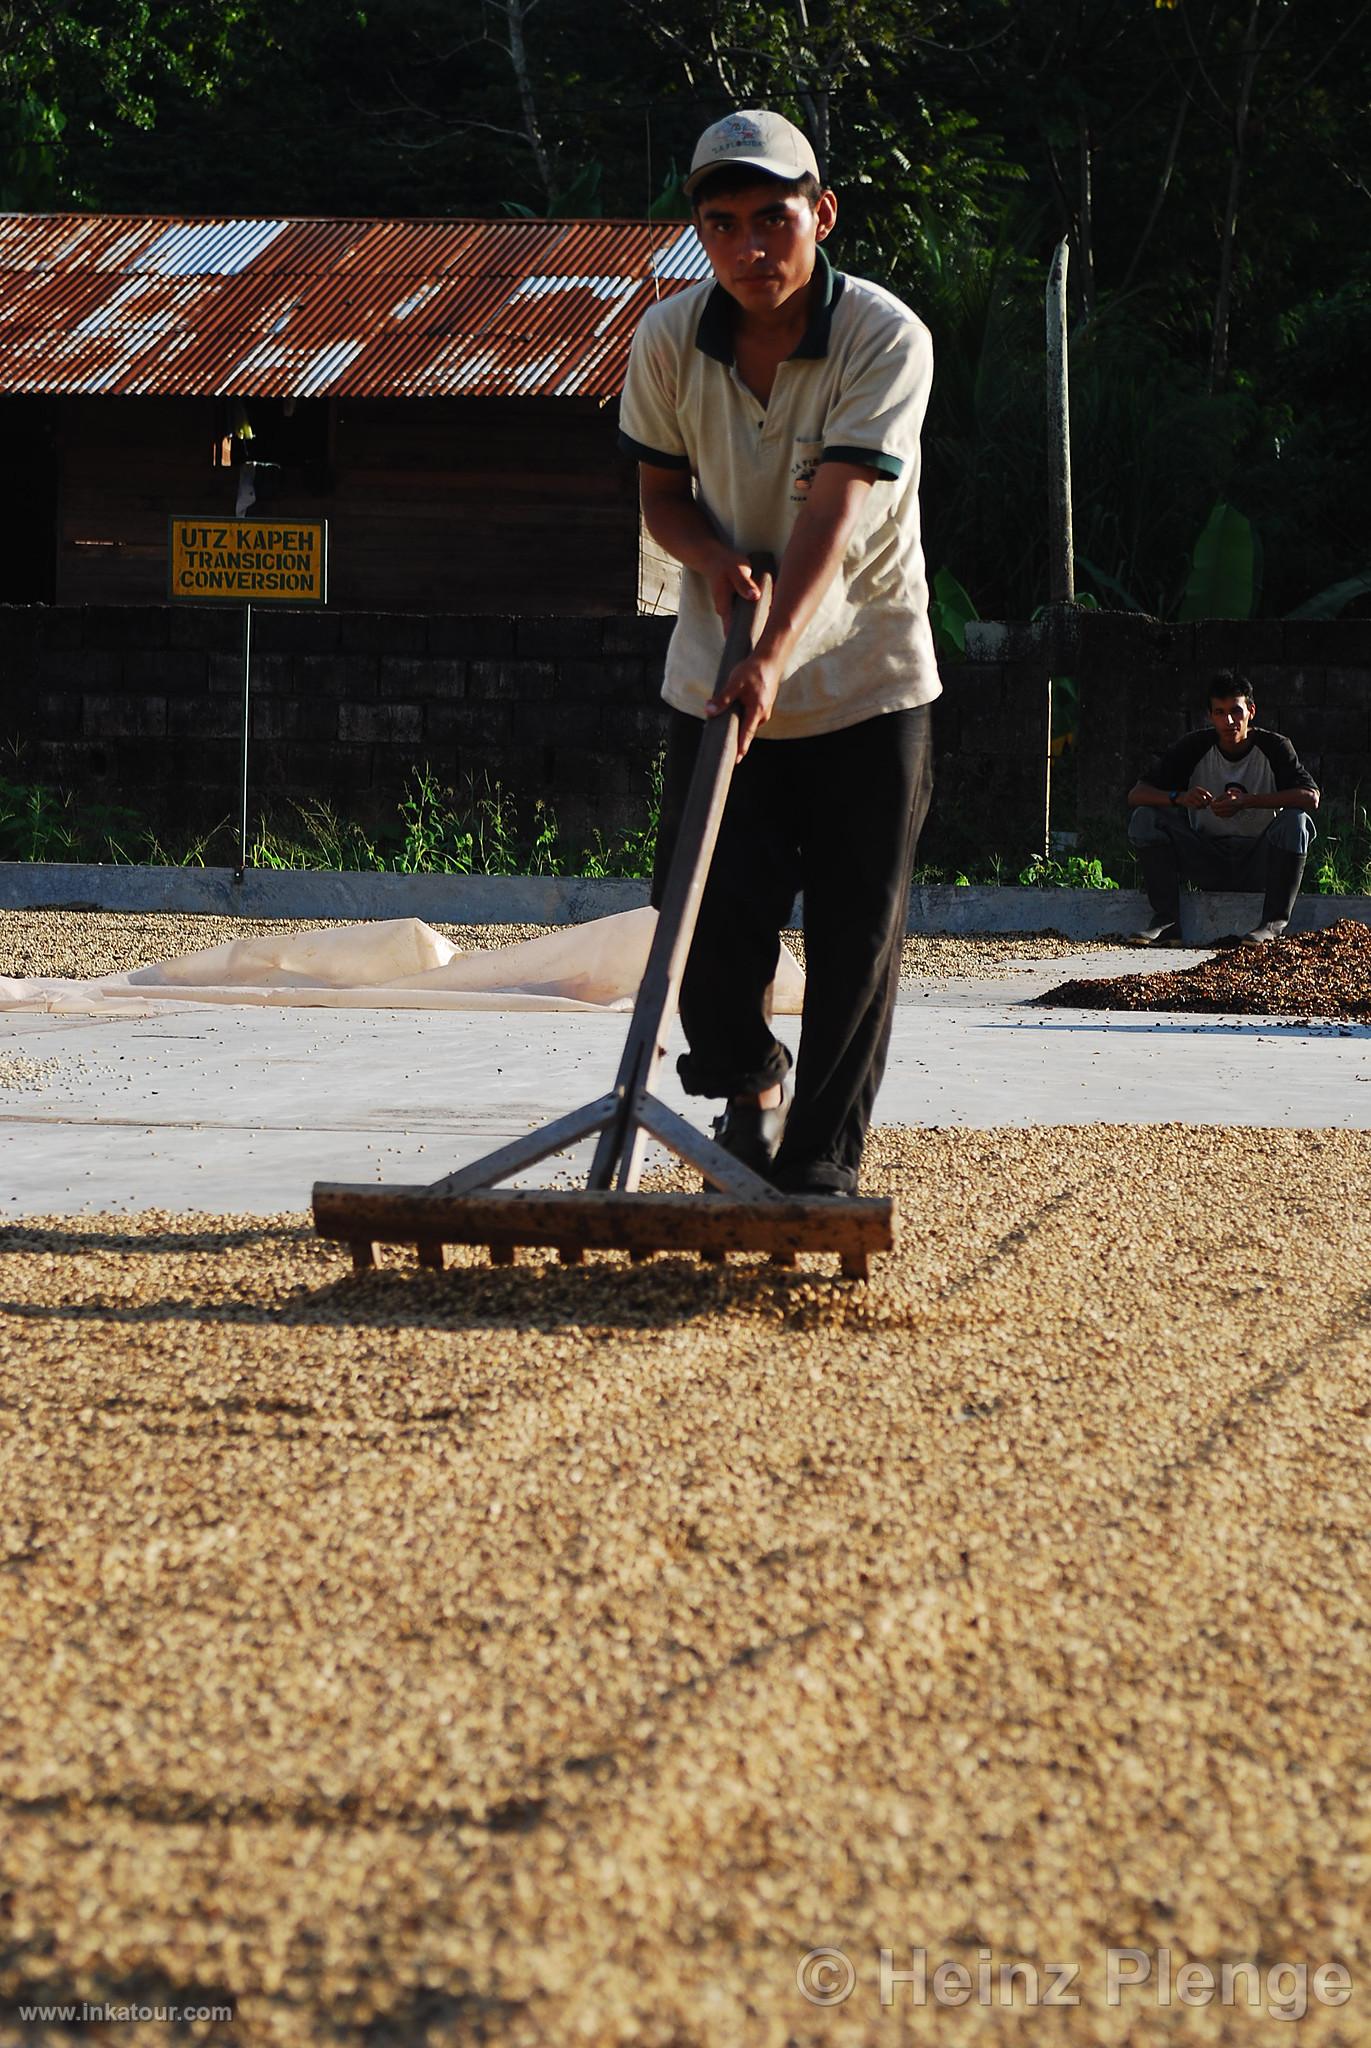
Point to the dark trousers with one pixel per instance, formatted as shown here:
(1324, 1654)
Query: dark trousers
(839, 817)
(1170, 851)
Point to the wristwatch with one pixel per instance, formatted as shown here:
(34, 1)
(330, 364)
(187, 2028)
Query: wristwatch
(1174, 794)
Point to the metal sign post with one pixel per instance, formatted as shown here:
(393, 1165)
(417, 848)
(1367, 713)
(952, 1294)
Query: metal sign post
(247, 562)
(247, 728)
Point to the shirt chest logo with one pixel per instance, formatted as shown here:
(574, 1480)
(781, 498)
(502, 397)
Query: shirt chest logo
(804, 463)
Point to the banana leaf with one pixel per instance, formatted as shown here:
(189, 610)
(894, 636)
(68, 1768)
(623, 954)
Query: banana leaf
(1223, 572)
(1109, 584)
(671, 202)
(950, 611)
(1331, 603)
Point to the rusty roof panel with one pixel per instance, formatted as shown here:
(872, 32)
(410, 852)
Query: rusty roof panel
(210, 248)
(300, 308)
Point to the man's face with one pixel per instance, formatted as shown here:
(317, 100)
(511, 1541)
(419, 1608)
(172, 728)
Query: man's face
(1231, 718)
(761, 242)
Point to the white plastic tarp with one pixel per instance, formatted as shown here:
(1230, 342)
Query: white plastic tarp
(398, 964)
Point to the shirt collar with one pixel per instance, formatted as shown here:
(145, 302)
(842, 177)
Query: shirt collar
(714, 334)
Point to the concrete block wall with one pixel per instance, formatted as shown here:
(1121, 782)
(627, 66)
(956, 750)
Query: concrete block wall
(143, 707)
(1142, 683)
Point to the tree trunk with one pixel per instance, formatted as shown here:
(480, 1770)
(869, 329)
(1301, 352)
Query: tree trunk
(528, 106)
(1164, 179)
(815, 104)
(1223, 300)
(1070, 220)
(1085, 214)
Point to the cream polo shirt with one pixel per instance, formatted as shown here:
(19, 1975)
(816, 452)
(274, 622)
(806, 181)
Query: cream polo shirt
(855, 390)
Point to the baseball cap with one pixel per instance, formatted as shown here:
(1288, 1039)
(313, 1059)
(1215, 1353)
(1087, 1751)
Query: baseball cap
(760, 140)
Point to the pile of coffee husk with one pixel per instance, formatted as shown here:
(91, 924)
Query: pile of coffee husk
(1318, 974)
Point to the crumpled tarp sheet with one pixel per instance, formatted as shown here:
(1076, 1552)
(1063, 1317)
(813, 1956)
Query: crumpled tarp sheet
(396, 964)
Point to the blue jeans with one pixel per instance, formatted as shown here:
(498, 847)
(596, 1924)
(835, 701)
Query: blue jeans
(1170, 851)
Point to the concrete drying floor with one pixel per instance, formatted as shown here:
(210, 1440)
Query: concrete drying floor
(681, 1657)
(668, 1656)
(242, 1110)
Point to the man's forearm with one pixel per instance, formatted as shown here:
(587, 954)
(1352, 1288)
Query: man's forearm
(679, 524)
(1144, 796)
(818, 541)
(1282, 800)
(812, 555)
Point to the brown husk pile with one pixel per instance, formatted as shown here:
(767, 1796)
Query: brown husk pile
(1318, 974)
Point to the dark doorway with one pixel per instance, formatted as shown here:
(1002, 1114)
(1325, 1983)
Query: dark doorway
(28, 501)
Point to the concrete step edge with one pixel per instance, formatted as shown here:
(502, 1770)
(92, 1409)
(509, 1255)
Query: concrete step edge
(569, 899)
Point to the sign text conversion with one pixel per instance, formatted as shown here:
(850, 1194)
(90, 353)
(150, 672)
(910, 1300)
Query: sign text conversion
(248, 561)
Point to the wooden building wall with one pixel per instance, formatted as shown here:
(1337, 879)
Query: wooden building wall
(516, 506)
(483, 505)
(124, 466)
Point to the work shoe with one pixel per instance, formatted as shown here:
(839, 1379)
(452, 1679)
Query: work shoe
(1157, 933)
(753, 1134)
(816, 1177)
(1260, 935)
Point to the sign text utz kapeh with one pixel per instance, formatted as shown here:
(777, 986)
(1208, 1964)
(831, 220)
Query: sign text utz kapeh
(247, 561)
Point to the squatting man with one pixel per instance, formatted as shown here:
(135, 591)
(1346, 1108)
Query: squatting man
(1227, 807)
(779, 410)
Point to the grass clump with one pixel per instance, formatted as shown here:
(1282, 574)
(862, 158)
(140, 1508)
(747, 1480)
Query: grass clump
(1341, 860)
(1077, 871)
(39, 823)
(477, 830)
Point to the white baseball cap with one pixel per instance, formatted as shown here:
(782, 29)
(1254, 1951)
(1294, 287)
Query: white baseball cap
(760, 140)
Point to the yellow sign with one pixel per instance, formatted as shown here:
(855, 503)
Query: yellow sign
(248, 561)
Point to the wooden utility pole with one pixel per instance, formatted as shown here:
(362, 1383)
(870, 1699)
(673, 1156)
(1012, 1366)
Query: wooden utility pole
(1062, 583)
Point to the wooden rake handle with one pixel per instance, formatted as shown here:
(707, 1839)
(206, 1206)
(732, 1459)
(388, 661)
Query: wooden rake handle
(700, 819)
(685, 882)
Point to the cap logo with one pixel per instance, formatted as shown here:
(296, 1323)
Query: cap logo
(737, 132)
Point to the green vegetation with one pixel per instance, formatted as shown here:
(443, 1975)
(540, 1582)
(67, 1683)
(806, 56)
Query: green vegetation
(1203, 162)
(1341, 862)
(479, 831)
(1075, 872)
(39, 823)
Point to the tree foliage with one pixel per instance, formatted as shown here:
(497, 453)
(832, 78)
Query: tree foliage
(78, 76)
(1204, 159)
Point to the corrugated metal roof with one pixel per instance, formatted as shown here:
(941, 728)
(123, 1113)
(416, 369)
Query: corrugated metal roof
(94, 303)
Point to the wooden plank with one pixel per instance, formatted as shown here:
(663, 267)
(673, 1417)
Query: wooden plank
(605, 1220)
